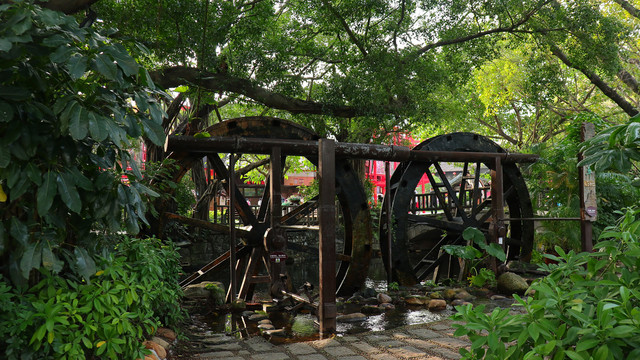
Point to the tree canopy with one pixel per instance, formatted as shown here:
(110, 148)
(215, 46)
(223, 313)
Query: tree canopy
(353, 66)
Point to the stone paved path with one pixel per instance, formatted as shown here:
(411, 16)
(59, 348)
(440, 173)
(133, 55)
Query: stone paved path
(431, 341)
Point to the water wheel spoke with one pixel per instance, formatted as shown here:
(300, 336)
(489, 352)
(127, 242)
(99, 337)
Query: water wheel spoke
(295, 215)
(436, 223)
(463, 186)
(436, 189)
(242, 207)
(263, 211)
(476, 198)
(452, 193)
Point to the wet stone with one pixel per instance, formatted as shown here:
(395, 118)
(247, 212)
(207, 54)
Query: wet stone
(356, 357)
(312, 357)
(365, 348)
(390, 343)
(406, 352)
(339, 351)
(264, 321)
(321, 344)
(300, 349)
(270, 356)
(216, 355)
(266, 327)
(424, 333)
(383, 357)
(257, 317)
(223, 347)
(375, 338)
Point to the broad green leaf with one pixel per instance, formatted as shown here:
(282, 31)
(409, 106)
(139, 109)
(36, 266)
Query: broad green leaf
(5, 157)
(128, 64)
(153, 132)
(19, 231)
(84, 263)
(34, 174)
(46, 192)
(97, 126)
(68, 192)
(105, 65)
(5, 45)
(6, 111)
(602, 353)
(30, 259)
(13, 93)
(3, 195)
(3, 238)
(78, 123)
(574, 355)
(622, 331)
(586, 344)
(77, 66)
(50, 260)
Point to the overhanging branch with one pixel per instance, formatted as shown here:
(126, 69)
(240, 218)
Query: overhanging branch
(217, 82)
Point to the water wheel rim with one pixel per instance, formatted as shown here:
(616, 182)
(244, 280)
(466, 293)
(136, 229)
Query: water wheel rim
(357, 250)
(407, 176)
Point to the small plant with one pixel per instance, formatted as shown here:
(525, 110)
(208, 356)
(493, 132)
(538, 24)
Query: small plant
(483, 277)
(394, 286)
(586, 308)
(475, 258)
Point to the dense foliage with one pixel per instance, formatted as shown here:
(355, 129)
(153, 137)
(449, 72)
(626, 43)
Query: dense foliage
(71, 101)
(588, 307)
(132, 293)
(72, 105)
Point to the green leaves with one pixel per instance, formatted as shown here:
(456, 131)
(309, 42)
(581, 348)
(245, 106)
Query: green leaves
(68, 192)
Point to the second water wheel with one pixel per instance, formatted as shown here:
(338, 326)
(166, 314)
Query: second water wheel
(423, 223)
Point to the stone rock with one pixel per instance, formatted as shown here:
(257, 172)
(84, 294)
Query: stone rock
(238, 305)
(371, 301)
(156, 349)
(435, 295)
(416, 300)
(464, 295)
(266, 327)
(509, 283)
(354, 317)
(304, 325)
(264, 321)
(371, 310)
(458, 302)
(161, 342)
(369, 292)
(257, 317)
(387, 306)
(450, 293)
(206, 290)
(247, 313)
(497, 297)
(384, 298)
(355, 299)
(276, 332)
(166, 333)
(437, 305)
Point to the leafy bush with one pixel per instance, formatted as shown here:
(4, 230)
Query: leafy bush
(67, 120)
(133, 293)
(588, 307)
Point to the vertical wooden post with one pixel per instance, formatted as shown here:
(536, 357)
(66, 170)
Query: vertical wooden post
(497, 204)
(588, 201)
(387, 206)
(326, 212)
(275, 241)
(232, 227)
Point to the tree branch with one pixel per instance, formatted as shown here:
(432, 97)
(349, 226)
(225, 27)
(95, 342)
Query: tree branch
(632, 10)
(217, 82)
(66, 6)
(501, 29)
(626, 106)
(352, 36)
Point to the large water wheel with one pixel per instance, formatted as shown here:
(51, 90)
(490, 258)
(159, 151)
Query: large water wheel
(355, 250)
(452, 204)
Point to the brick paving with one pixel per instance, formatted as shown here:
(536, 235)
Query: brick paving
(430, 341)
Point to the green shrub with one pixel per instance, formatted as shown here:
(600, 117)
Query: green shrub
(588, 307)
(106, 317)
